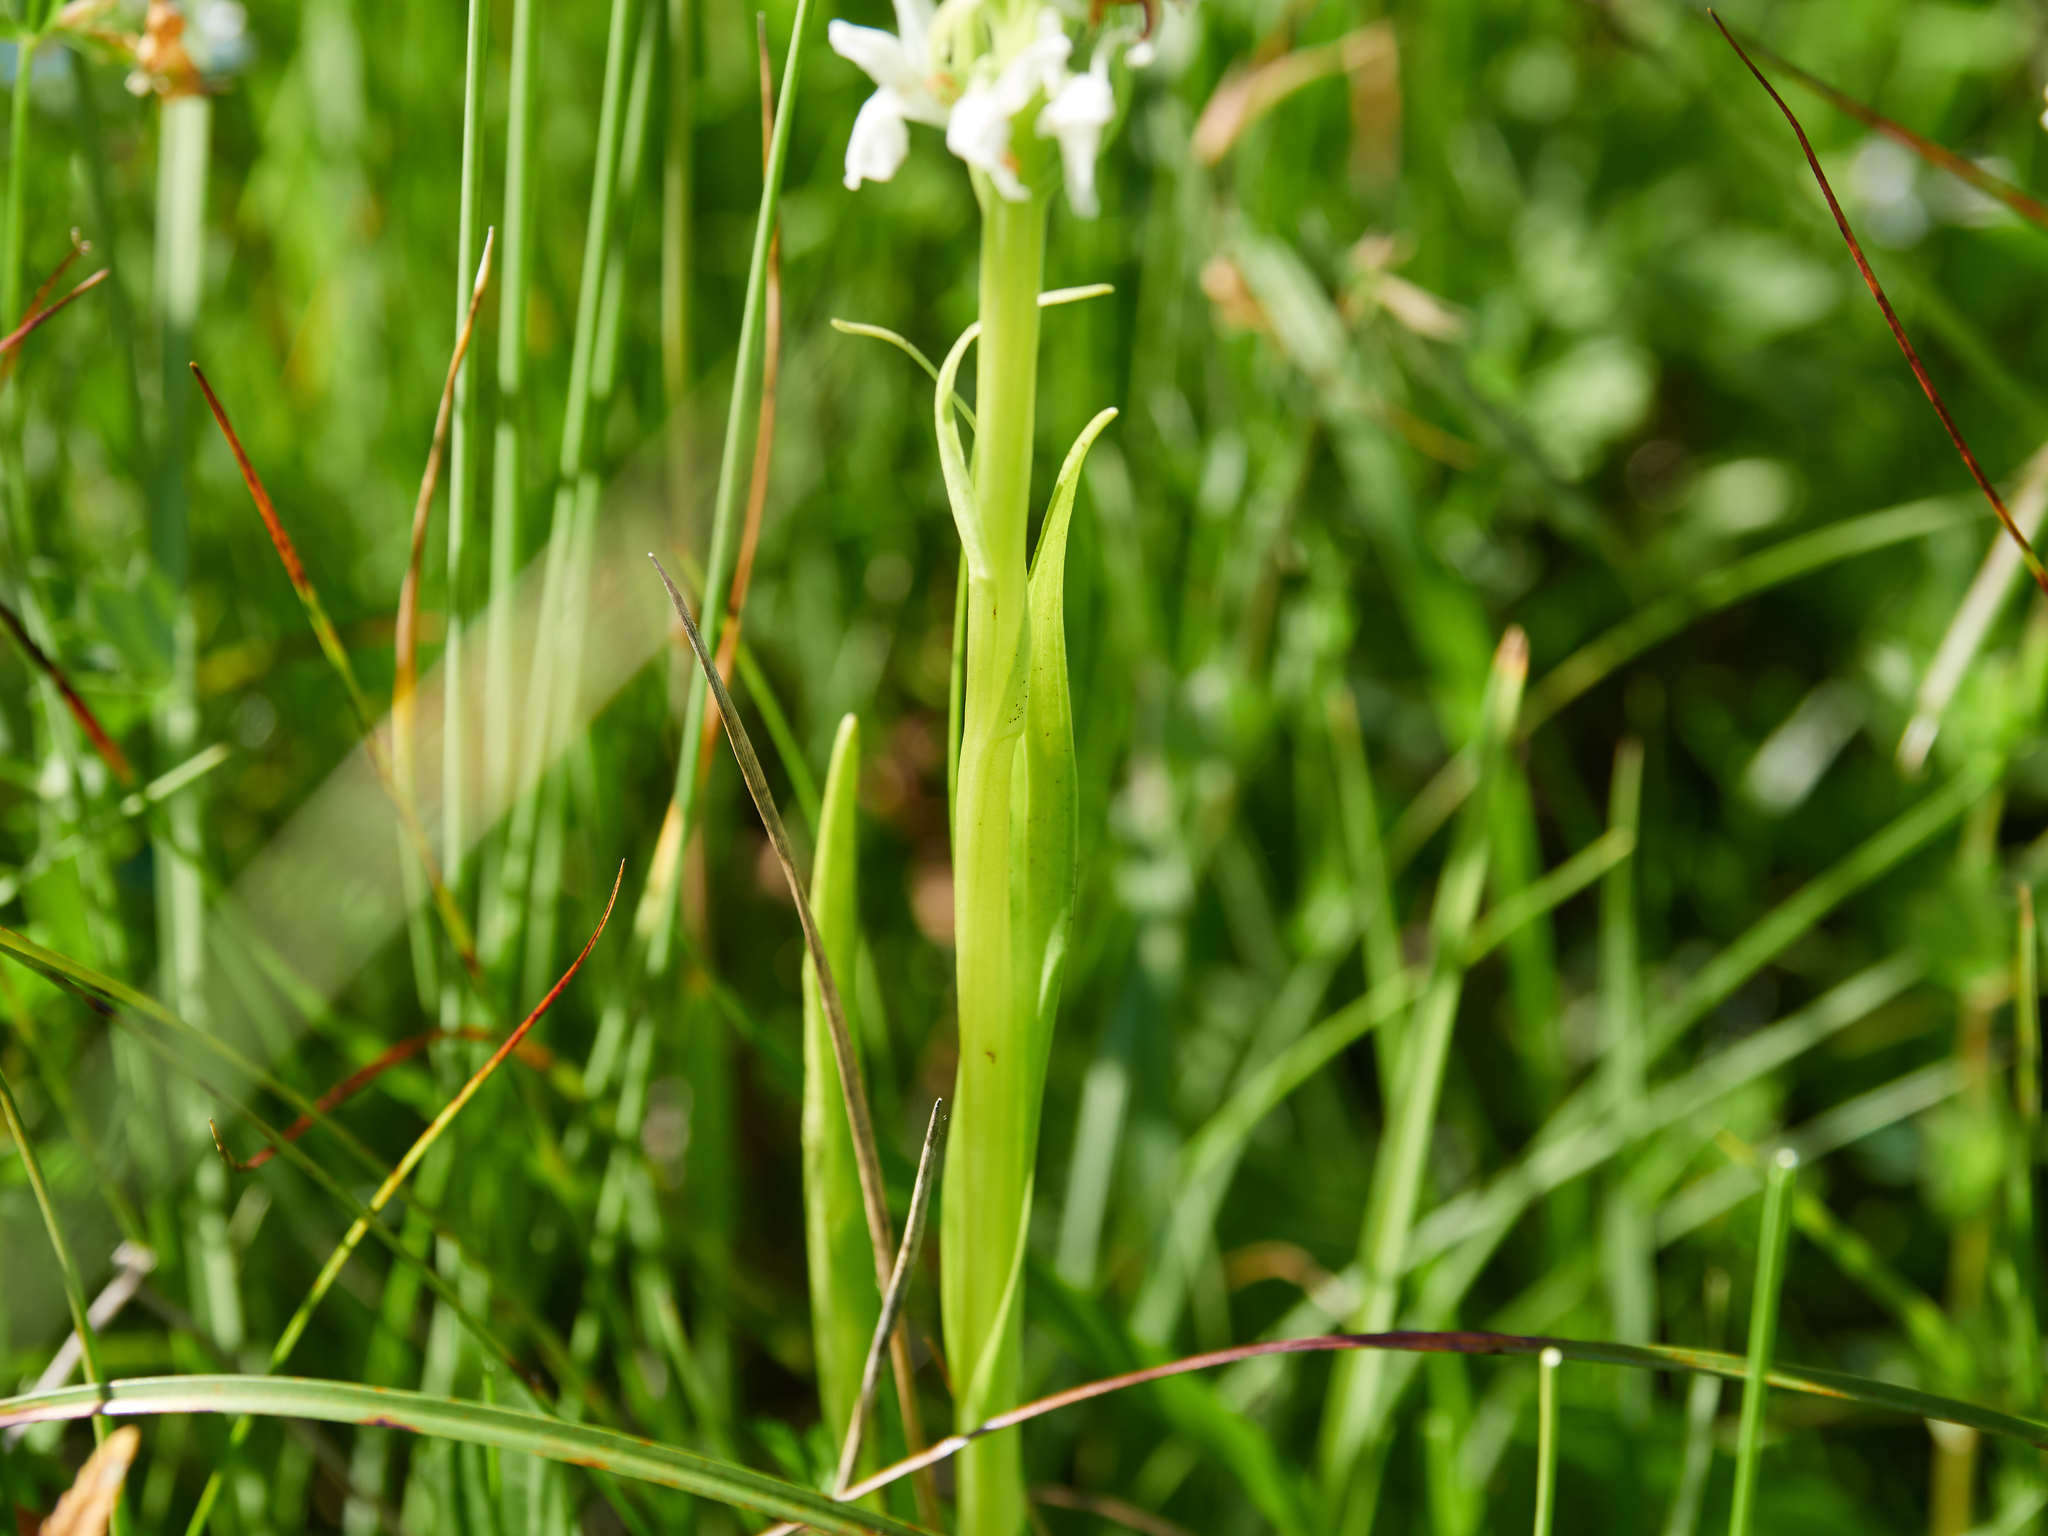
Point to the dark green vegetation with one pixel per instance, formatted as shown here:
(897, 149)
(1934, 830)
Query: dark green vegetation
(1511, 315)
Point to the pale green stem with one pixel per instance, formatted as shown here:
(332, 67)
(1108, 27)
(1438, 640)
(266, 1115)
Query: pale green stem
(989, 1162)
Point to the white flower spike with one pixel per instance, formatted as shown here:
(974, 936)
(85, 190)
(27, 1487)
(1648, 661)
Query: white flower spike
(1076, 116)
(914, 84)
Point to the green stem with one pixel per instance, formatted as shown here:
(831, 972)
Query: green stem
(988, 1174)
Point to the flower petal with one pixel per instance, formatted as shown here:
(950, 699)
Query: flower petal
(880, 55)
(879, 141)
(1076, 116)
(979, 133)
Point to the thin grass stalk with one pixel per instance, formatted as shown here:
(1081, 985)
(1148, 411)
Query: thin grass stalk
(1702, 1407)
(2023, 1256)
(465, 437)
(1378, 918)
(1547, 1364)
(525, 835)
(508, 434)
(576, 507)
(845, 1057)
(1772, 1234)
(1630, 1262)
(1356, 1410)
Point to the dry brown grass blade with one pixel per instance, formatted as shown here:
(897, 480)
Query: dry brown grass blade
(534, 1054)
(337, 656)
(899, 1287)
(852, 1083)
(405, 670)
(1955, 435)
(764, 429)
(110, 754)
(88, 1505)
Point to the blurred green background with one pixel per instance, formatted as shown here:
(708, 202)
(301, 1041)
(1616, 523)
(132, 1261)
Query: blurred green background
(1508, 314)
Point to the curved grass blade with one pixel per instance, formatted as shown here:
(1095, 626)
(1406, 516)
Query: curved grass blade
(1840, 1386)
(2032, 561)
(1937, 155)
(504, 1429)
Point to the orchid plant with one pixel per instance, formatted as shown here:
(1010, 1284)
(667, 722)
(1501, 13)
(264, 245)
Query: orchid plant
(997, 77)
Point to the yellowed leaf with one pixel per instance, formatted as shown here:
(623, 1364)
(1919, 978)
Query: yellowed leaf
(88, 1505)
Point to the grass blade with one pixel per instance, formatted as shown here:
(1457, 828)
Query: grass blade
(1763, 1333)
(867, 1160)
(1355, 1414)
(1546, 1439)
(899, 1288)
(844, 1299)
(509, 1430)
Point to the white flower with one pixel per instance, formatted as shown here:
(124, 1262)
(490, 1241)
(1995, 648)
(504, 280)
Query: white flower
(879, 142)
(906, 91)
(1076, 116)
(979, 131)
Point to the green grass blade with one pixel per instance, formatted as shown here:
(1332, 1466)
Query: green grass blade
(844, 1301)
(1355, 1413)
(1763, 1334)
(509, 1430)
(1546, 1439)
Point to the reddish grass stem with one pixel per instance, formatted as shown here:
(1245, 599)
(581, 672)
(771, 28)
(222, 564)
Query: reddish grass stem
(1938, 155)
(535, 1055)
(330, 643)
(2027, 555)
(103, 744)
(405, 671)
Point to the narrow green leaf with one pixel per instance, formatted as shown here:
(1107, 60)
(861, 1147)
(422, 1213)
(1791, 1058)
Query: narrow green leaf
(1355, 1411)
(1763, 1333)
(844, 1301)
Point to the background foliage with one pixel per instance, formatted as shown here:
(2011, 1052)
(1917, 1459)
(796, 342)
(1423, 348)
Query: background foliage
(1528, 316)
